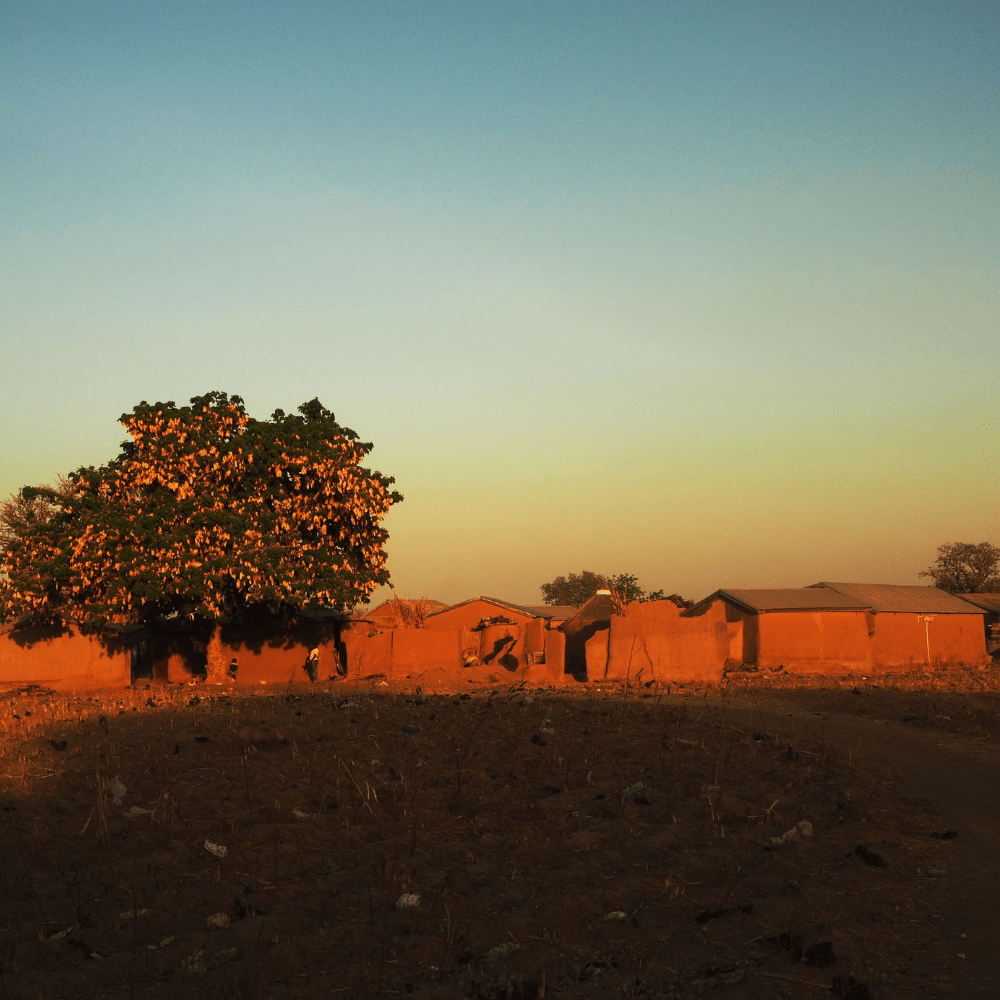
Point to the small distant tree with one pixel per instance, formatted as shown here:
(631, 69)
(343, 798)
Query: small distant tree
(966, 568)
(627, 586)
(573, 590)
(578, 588)
(206, 512)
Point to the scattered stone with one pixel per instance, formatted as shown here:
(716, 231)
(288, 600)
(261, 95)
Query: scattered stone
(137, 812)
(634, 793)
(161, 943)
(407, 901)
(217, 849)
(330, 867)
(195, 963)
(501, 951)
(615, 917)
(133, 914)
(801, 829)
(299, 814)
(931, 872)
(199, 963)
(117, 790)
(218, 921)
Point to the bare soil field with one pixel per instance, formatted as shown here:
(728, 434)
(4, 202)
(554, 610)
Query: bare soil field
(772, 838)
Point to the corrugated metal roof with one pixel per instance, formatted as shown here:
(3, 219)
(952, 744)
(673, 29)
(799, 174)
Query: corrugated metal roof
(560, 612)
(764, 599)
(889, 597)
(599, 608)
(985, 602)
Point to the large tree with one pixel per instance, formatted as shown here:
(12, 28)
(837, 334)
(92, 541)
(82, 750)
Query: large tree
(966, 568)
(206, 512)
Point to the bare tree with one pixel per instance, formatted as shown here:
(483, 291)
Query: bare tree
(18, 515)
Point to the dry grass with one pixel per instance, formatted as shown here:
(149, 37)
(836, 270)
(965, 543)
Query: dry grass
(518, 818)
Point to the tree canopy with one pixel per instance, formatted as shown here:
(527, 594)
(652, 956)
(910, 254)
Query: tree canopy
(966, 568)
(206, 512)
(578, 588)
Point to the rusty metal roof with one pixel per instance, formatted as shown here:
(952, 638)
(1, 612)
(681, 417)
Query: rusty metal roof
(764, 599)
(560, 612)
(985, 602)
(895, 598)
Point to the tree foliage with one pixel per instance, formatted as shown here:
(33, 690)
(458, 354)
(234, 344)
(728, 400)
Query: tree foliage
(207, 512)
(966, 568)
(578, 588)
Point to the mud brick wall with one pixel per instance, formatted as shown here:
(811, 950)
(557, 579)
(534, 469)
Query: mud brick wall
(64, 660)
(817, 642)
(901, 641)
(654, 641)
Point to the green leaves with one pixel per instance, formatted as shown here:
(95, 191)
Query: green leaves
(207, 508)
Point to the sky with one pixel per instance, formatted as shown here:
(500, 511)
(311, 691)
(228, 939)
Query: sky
(705, 293)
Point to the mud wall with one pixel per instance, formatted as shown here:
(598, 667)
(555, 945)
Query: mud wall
(64, 660)
(655, 642)
(823, 642)
(924, 642)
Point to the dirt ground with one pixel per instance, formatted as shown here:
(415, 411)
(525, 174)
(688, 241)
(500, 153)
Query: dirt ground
(773, 838)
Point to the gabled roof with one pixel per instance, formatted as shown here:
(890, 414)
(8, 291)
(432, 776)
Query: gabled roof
(761, 600)
(560, 612)
(598, 609)
(985, 602)
(532, 612)
(890, 597)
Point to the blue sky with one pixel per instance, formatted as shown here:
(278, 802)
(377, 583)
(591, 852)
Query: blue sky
(706, 293)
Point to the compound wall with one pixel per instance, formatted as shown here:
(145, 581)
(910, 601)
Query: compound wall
(64, 660)
(654, 641)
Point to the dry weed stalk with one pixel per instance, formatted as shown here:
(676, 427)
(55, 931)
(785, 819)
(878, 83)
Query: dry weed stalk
(409, 613)
(618, 600)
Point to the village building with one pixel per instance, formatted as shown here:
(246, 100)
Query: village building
(915, 628)
(800, 628)
(849, 627)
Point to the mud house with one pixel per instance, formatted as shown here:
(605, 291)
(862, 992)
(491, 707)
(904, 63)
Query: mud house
(833, 627)
(918, 627)
(815, 630)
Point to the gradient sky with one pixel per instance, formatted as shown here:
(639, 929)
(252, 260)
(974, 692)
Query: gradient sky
(707, 293)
